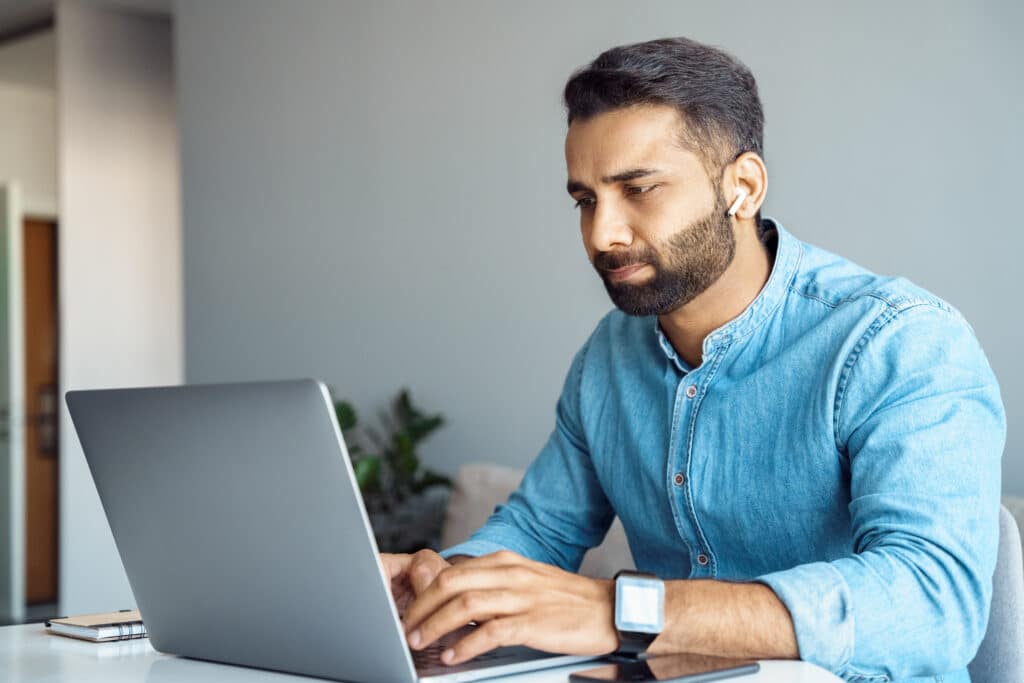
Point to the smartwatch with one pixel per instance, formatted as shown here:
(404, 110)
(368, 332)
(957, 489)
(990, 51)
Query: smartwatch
(639, 611)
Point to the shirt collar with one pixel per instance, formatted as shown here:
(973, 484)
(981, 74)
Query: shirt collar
(787, 260)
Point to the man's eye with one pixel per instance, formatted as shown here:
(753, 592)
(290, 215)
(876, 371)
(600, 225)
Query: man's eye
(640, 189)
(585, 203)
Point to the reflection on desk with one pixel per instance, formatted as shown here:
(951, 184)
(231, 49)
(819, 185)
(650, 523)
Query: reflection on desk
(28, 653)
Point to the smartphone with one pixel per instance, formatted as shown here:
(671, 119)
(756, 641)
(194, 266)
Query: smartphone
(667, 669)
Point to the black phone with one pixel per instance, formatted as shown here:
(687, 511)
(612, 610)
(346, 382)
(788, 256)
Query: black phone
(667, 669)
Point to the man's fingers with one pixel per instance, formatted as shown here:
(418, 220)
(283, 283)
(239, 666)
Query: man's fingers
(502, 558)
(395, 565)
(498, 632)
(404, 572)
(480, 606)
(463, 578)
(417, 570)
(424, 568)
(423, 573)
(400, 590)
(403, 599)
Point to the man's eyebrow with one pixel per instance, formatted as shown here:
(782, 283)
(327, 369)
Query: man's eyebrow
(631, 174)
(621, 177)
(576, 186)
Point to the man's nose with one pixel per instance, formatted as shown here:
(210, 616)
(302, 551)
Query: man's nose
(609, 228)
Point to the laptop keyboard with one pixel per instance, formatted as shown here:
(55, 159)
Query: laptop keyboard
(430, 656)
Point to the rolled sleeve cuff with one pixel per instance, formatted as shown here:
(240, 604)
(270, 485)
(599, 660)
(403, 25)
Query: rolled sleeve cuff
(472, 548)
(818, 600)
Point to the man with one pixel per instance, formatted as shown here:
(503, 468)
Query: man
(807, 454)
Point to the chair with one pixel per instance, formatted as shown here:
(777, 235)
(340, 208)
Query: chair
(1000, 659)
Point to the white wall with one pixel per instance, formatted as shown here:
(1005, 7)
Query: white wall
(28, 121)
(120, 253)
(373, 192)
(28, 146)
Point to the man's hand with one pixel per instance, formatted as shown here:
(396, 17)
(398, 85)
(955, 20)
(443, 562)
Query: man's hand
(411, 574)
(515, 601)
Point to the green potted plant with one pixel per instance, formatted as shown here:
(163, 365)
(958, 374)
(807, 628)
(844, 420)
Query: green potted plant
(404, 500)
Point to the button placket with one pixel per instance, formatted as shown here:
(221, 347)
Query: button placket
(702, 563)
(686, 391)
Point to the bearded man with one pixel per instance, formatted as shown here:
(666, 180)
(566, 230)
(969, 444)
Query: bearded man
(804, 455)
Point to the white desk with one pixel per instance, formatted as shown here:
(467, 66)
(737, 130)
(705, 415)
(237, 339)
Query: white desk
(28, 653)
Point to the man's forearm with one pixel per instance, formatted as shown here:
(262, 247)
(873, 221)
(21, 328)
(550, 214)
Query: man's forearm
(725, 619)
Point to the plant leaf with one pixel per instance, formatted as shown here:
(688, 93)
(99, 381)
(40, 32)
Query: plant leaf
(367, 472)
(405, 460)
(346, 413)
(412, 418)
(404, 442)
(420, 428)
(403, 405)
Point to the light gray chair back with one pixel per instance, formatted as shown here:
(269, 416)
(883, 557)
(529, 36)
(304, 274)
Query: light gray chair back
(1000, 658)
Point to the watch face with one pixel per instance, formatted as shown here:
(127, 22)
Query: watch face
(639, 604)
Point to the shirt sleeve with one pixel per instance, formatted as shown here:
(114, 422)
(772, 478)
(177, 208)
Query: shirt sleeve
(921, 425)
(559, 510)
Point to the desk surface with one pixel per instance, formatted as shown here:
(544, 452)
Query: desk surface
(28, 653)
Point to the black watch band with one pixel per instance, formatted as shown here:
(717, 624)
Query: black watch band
(634, 643)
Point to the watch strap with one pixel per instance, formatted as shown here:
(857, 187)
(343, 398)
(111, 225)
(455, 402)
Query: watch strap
(634, 643)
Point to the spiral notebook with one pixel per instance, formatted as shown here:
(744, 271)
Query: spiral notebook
(100, 628)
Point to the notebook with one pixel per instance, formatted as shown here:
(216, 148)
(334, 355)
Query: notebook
(100, 628)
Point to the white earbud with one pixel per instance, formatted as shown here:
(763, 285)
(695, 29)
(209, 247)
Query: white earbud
(741, 194)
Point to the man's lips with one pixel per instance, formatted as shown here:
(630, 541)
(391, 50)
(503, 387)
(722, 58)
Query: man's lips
(625, 272)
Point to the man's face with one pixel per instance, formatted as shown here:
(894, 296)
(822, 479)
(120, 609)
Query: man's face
(653, 222)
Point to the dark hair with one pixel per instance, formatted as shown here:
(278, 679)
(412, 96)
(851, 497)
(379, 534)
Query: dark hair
(715, 94)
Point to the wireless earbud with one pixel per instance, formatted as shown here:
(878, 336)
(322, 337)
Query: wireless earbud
(741, 194)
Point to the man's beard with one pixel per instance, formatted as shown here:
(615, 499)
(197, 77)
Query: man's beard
(689, 262)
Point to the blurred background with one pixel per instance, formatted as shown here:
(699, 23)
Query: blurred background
(372, 193)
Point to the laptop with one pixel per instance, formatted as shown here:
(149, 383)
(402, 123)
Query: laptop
(241, 528)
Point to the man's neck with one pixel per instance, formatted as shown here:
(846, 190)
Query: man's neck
(726, 299)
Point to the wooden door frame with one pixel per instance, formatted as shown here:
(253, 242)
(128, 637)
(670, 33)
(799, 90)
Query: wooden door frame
(48, 307)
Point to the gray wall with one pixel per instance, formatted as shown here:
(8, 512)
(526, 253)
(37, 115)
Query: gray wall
(119, 253)
(373, 192)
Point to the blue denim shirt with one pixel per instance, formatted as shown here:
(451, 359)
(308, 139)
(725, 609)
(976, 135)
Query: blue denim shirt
(839, 442)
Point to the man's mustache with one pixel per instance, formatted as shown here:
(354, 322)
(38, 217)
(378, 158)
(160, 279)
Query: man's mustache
(613, 260)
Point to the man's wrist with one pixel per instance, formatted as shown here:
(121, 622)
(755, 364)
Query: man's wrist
(673, 636)
(608, 637)
(725, 619)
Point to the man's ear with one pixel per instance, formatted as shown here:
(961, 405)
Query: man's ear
(745, 175)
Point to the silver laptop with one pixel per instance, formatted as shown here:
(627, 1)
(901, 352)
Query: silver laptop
(240, 525)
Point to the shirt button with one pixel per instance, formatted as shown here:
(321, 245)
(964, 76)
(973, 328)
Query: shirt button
(691, 391)
(679, 479)
(702, 559)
